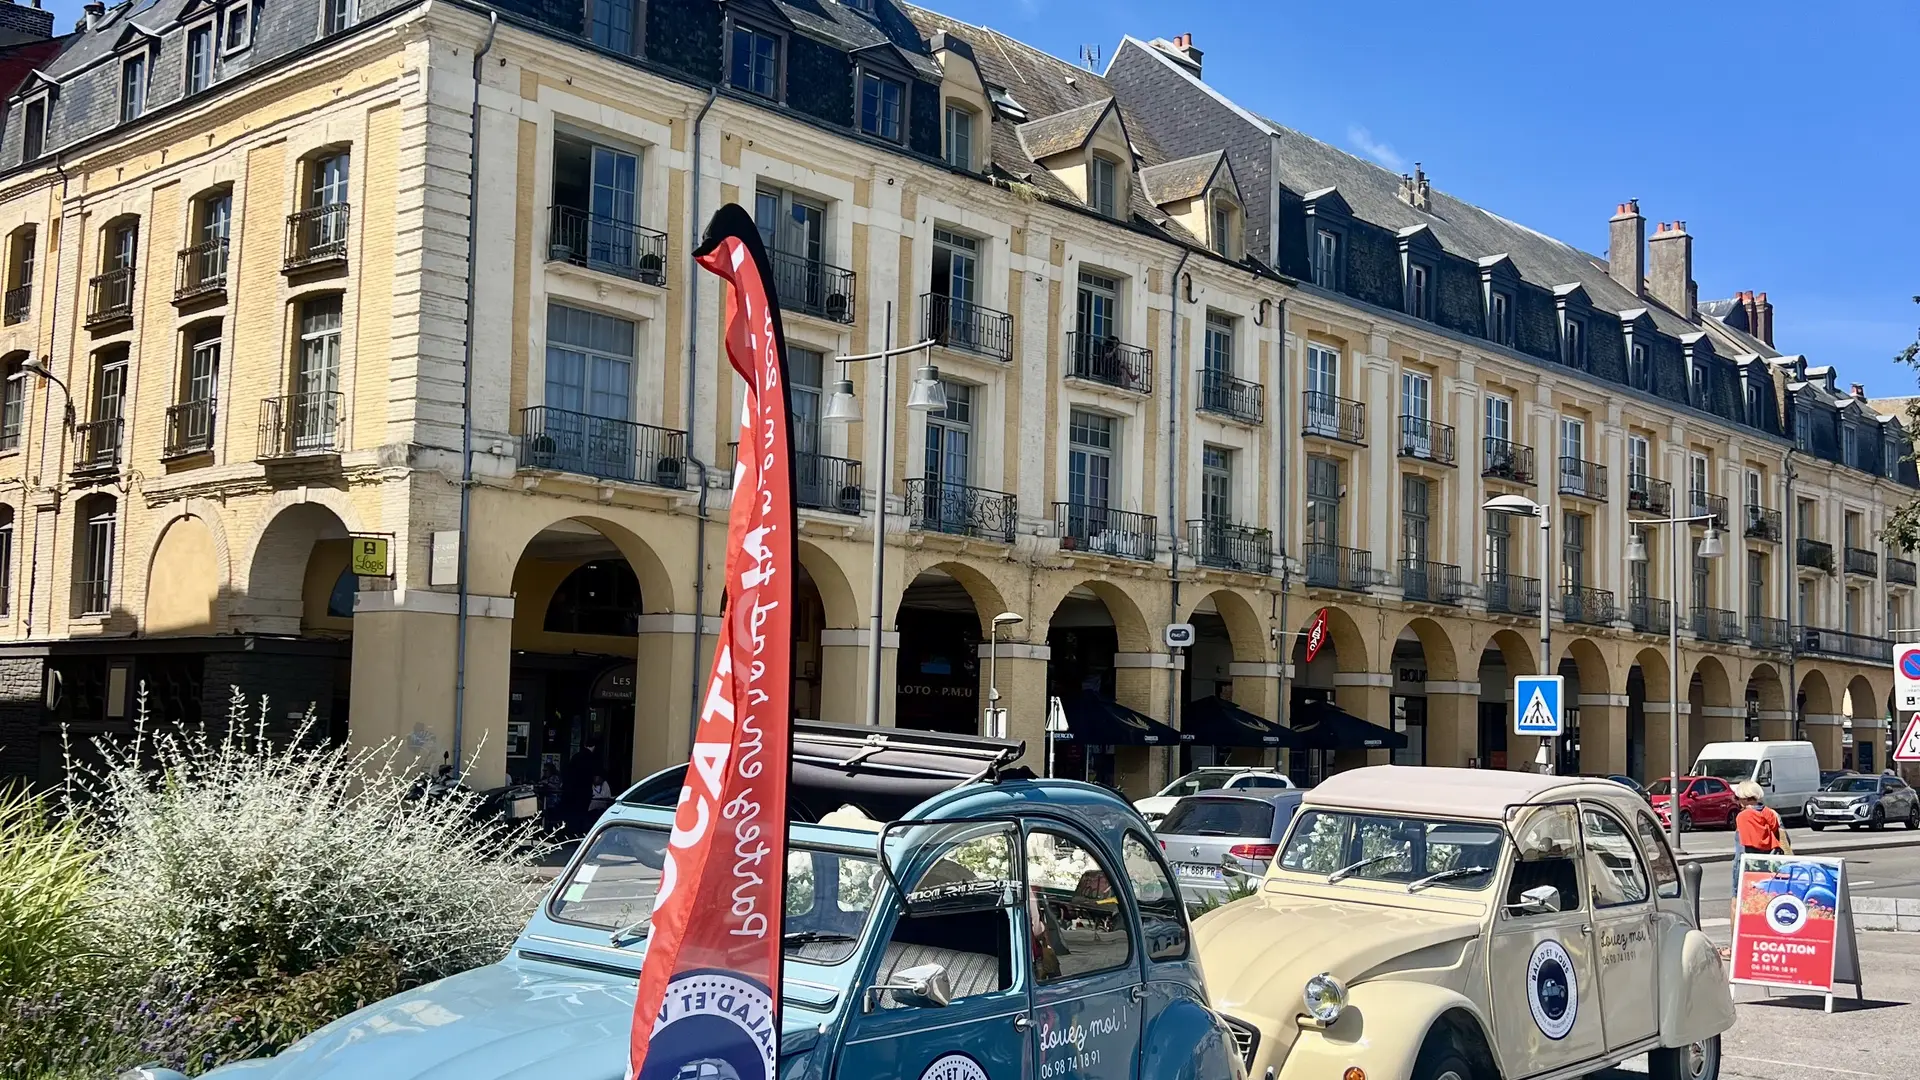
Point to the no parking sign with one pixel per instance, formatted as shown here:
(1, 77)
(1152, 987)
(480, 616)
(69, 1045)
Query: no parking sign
(1906, 677)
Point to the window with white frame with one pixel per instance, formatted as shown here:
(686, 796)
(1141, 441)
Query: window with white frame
(1090, 443)
(1103, 187)
(959, 144)
(1757, 584)
(236, 28)
(1641, 367)
(339, 15)
(93, 589)
(1419, 297)
(883, 105)
(755, 63)
(1499, 551)
(1575, 336)
(1500, 318)
(1638, 456)
(612, 25)
(1891, 459)
(1324, 495)
(1698, 487)
(1803, 612)
(1326, 259)
(1323, 388)
(1573, 550)
(1216, 486)
(199, 58)
(133, 87)
(1573, 441)
(1639, 572)
(1415, 494)
(1416, 408)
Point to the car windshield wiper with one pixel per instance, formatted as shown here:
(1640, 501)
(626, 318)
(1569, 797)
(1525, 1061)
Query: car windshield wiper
(1346, 872)
(1445, 875)
(632, 932)
(804, 937)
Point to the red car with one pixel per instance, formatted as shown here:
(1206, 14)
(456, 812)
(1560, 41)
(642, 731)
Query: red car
(1704, 800)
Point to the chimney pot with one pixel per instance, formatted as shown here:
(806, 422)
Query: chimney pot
(1627, 248)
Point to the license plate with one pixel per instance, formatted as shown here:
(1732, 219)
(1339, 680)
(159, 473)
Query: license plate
(1198, 871)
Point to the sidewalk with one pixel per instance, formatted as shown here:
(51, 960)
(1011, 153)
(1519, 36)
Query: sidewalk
(1716, 846)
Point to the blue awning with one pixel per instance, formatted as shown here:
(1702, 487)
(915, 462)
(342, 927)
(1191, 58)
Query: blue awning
(1215, 721)
(1094, 719)
(1320, 725)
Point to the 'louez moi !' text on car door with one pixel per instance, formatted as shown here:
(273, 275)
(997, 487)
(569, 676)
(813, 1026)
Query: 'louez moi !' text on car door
(1545, 994)
(1087, 984)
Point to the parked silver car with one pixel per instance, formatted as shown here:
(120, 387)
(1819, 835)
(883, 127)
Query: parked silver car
(1864, 802)
(1209, 839)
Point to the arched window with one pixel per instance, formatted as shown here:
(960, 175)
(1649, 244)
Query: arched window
(13, 399)
(601, 597)
(22, 252)
(95, 525)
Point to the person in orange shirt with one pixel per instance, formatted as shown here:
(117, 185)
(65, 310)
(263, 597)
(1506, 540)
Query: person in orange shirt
(1757, 829)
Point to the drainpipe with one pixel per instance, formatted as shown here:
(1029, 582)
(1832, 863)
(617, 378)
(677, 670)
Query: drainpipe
(1173, 486)
(1790, 517)
(46, 397)
(693, 455)
(1283, 644)
(466, 401)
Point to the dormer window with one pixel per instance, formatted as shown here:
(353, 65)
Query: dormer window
(755, 66)
(1697, 378)
(611, 24)
(1754, 418)
(1419, 291)
(1574, 343)
(199, 58)
(882, 105)
(1640, 368)
(1849, 444)
(959, 144)
(1892, 455)
(1500, 317)
(236, 28)
(33, 136)
(133, 87)
(1326, 259)
(339, 15)
(1223, 230)
(1104, 188)
(1802, 427)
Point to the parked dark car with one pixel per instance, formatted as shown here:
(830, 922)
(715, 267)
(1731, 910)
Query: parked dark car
(1210, 839)
(1868, 802)
(1623, 780)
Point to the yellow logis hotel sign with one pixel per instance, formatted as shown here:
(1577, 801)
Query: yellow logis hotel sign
(370, 556)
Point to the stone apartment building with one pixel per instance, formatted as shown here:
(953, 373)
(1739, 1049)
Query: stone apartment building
(249, 324)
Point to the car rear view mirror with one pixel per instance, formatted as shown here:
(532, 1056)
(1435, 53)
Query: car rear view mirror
(1539, 900)
(952, 867)
(924, 986)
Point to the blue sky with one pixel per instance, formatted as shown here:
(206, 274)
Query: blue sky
(1783, 133)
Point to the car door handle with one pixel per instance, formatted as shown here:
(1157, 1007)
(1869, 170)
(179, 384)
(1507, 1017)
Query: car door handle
(1137, 992)
(1587, 929)
(1022, 1023)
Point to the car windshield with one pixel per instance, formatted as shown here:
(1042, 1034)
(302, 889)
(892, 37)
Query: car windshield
(612, 888)
(1220, 817)
(1732, 770)
(1855, 784)
(1381, 848)
(1198, 781)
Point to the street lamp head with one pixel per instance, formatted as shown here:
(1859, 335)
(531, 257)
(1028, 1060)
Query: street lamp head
(841, 407)
(1636, 548)
(1517, 505)
(1007, 618)
(1710, 545)
(927, 395)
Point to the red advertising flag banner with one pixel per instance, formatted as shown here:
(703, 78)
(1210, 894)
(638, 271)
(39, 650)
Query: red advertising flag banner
(1787, 922)
(1316, 635)
(710, 986)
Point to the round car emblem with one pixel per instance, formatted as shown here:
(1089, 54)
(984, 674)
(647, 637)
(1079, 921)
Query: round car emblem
(1552, 994)
(954, 1067)
(1196, 851)
(713, 1025)
(1786, 914)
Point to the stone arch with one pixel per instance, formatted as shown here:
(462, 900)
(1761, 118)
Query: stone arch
(838, 600)
(1244, 626)
(1815, 694)
(1129, 622)
(1442, 657)
(1862, 702)
(1343, 633)
(1596, 674)
(1767, 688)
(276, 529)
(273, 598)
(1516, 652)
(1653, 667)
(187, 575)
(988, 598)
(1716, 686)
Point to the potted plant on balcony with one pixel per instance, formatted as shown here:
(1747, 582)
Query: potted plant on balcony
(670, 472)
(651, 266)
(837, 307)
(850, 499)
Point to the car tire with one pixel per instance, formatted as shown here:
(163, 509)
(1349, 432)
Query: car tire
(1686, 821)
(1814, 825)
(1441, 1060)
(1879, 819)
(1699, 1061)
(1913, 817)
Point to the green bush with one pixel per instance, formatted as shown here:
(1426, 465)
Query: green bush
(46, 877)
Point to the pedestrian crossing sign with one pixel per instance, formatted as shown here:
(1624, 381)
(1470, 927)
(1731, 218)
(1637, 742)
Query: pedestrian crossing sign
(1538, 704)
(1908, 748)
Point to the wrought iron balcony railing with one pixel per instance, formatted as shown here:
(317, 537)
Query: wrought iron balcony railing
(1900, 571)
(938, 506)
(317, 235)
(1228, 395)
(1648, 614)
(964, 325)
(1817, 554)
(1329, 566)
(1594, 607)
(1762, 524)
(1649, 495)
(1863, 562)
(1814, 639)
(97, 445)
(1226, 546)
(1765, 633)
(200, 271)
(1707, 504)
(611, 246)
(1430, 583)
(92, 596)
(1504, 460)
(1716, 624)
(1511, 594)
(1426, 440)
(811, 286)
(603, 447)
(825, 482)
(1583, 479)
(112, 297)
(1109, 361)
(294, 425)
(189, 428)
(18, 304)
(1330, 417)
(1120, 533)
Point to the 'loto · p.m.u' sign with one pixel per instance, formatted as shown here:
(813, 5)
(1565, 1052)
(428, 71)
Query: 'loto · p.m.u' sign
(710, 987)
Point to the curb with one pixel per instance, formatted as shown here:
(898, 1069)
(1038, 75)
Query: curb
(1803, 849)
(1886, 913)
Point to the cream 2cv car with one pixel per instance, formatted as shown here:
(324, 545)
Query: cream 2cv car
(1456, 924)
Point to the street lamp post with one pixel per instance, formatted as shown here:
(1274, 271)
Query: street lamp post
(926, 396)
(1710, 548)
(1523, 507)
(1005, 618)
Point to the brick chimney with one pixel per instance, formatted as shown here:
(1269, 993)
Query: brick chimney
(1670, 261)
(1859, 392)
(1627, 247)
(1415, 191)
(1182, 52)
(1763, 317)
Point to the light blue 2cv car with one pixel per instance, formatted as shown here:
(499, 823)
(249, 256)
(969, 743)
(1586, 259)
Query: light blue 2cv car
(1000, 928)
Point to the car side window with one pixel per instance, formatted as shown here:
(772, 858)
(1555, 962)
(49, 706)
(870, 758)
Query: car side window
(1666, 875)
(1613, 864)
(1765, 776)
(1163, 917)
(975, 947)
(1079, 925)
(1546, 844)
(1712, 787)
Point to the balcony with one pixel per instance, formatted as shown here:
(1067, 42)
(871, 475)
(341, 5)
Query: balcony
(608, 245)
(966, 326)
(93, 596)
(1503, 460)
(1765, 633)
(1426, 440)
(1648, 495)
(1430, 583)
(1593, 607)
(1817, 554)
(97, 446)
(824, 482)
(111, 298)
(1649, 615)
(1814, 639)
(603, 447)
(959, 510)
(1762, 524)
(1716, 624)
(1120, 533)
(1900, 571)
(1510, 594)
(301, 425)
(189, 428)
(1226, 395)
(18, 305)
(1225, 546)
(200, 272)
(1583, 479)
(317, 237)
(1863, 562)
(808, 285)
(1332, 567)
(1109, 362)
(1707, 504)
(1329, 417)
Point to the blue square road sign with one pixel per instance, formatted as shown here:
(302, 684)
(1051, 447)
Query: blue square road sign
(1539, 704)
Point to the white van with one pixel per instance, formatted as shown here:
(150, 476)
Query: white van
(1787, 771)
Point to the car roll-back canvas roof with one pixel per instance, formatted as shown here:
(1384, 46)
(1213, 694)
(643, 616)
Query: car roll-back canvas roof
(1460, 793)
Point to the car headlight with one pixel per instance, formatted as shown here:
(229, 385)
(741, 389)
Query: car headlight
(1325, 998)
